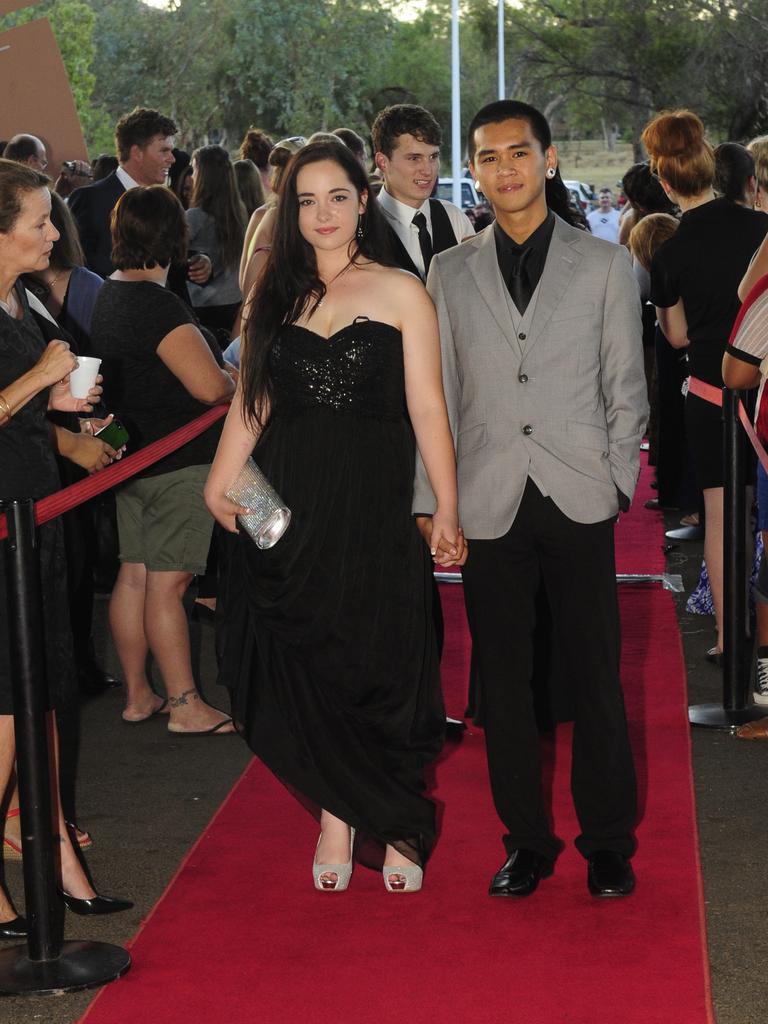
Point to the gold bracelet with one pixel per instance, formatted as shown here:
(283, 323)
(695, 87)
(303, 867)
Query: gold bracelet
(5, 410)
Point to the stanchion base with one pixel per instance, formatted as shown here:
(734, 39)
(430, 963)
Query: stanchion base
(454, 728)
(686, 533)
(80, 965)
(715, 716)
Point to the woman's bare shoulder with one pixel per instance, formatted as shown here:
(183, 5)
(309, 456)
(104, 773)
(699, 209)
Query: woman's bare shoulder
(400, 282)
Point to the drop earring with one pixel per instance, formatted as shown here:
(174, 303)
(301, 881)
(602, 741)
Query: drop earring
(360, 231)
(477, 184)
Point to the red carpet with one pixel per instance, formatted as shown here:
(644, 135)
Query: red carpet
(240, 935)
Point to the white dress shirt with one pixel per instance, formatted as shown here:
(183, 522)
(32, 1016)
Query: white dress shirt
(125, 179)
(401, 217)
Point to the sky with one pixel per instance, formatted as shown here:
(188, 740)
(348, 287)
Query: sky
(409, 8)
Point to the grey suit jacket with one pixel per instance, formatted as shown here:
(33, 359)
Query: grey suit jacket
(566, 404)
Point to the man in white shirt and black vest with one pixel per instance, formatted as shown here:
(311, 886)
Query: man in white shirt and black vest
(406, 144)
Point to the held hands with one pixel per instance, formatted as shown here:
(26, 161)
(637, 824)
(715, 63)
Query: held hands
(55, 364)
(445, 538)
(224, 510)
(93, 425)
(199, 269)
(64, 401)
(91, 453)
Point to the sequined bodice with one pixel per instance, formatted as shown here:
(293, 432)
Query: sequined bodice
(359, 369)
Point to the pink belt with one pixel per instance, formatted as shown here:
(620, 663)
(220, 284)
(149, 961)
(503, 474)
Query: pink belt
(709, 393)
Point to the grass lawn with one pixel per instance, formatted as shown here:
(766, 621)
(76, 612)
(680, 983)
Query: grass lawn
(590, 162)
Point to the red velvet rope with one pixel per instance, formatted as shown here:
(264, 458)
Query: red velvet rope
(68, 497)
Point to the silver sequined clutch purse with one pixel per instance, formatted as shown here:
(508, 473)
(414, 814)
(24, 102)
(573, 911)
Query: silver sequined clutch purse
(268, 517)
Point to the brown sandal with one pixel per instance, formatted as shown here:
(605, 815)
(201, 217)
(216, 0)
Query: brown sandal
(754, 730)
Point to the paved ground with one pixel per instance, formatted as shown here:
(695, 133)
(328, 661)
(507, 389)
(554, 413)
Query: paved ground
(146, 797)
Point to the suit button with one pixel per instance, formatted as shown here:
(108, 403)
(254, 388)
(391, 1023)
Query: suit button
(527, 429)
(522, 337)
(523, 378)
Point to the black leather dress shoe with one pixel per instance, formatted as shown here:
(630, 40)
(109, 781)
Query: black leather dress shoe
(94, 680)
(520, 873)
(95, 905)
(609, 874)
(15, 929)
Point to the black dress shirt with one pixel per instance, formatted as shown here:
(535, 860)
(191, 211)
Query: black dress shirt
(508, 252)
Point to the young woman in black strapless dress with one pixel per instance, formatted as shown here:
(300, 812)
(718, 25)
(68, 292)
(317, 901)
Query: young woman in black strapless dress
(328, 642)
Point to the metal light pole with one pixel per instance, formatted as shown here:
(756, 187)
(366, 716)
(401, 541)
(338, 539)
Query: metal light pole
(502, 75)
(455, 105)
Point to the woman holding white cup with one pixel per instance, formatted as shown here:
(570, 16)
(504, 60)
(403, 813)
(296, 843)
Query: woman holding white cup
(34, 378)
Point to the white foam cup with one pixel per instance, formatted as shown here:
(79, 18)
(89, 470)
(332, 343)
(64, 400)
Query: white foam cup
(82, 379)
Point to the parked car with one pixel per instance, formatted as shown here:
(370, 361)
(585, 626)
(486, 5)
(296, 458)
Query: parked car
(586, 197)
(470, 197)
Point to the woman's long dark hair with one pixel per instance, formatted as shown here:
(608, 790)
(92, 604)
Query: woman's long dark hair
(557, 195)
(215, 191)
(734, 166)
(290, 284)
(67, 252)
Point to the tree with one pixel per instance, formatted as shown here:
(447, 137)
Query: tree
(623, 58)
(736, 67)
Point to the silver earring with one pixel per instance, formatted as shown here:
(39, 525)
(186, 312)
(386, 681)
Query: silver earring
(550, 172)
(477, 184)
(360, 227)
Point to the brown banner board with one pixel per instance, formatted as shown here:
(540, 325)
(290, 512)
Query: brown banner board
(11, 6)
(36, 97)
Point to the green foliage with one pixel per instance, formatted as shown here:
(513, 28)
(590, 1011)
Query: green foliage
(295, 66)
(623, 60)
(306, 65)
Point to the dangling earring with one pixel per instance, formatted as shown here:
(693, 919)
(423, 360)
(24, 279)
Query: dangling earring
(477, 185)
(550, 172)
(360, 231)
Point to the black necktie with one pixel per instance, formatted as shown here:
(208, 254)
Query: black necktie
(519, 283)
(425, 242)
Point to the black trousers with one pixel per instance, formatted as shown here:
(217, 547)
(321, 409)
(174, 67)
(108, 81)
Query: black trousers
(575, 564)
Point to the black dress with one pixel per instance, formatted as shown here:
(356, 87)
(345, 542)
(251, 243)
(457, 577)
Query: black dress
(702, 264)
(28, 470)
(329, 643)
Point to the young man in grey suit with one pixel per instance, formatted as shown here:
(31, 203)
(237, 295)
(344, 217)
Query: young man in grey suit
(540, 331)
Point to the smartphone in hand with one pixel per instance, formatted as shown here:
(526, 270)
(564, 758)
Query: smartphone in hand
(114, 434)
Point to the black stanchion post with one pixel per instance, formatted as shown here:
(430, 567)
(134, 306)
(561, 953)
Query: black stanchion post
(27, 666)
(45, 965)
(735, 708)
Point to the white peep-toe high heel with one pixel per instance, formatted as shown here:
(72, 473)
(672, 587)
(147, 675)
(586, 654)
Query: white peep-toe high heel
(343, 872)
(410, 878)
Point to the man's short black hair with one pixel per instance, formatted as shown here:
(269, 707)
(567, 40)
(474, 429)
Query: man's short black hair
(139, 128)
(148, 229)
(21, 148)
(508, 110)
(351, 140)
(404, 119)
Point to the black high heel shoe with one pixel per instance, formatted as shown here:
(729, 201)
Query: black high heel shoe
(95, 905)
(15, 929)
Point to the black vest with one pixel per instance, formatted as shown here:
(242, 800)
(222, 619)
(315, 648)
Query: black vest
(443, 237)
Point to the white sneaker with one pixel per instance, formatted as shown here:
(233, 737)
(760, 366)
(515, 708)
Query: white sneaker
(760, 696)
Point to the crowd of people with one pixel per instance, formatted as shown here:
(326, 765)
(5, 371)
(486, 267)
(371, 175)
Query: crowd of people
(421, 390)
